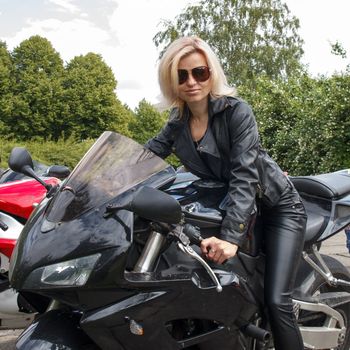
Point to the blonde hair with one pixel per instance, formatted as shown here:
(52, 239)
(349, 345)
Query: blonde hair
(168, 76)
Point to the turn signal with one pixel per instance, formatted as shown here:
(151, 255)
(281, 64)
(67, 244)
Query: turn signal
(135, 328)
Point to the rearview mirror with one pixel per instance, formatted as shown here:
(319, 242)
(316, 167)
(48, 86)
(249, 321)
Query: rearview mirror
(58, 171)
(155, 205)
(21, 162)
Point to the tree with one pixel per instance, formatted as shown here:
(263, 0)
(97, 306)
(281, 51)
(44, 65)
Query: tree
(304, 122)
(38, 71)
(92, 105)
(251, 37)
(338, 49)
(6, 83)
(147, 122)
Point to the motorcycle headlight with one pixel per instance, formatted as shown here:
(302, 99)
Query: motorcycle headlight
(66, 273)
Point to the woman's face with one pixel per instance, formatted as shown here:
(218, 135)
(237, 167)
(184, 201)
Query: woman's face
(192, 90)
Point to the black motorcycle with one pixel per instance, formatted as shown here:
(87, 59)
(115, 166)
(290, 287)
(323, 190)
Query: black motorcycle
(111, 261)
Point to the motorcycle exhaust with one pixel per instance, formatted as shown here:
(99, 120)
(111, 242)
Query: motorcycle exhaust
(256, 332)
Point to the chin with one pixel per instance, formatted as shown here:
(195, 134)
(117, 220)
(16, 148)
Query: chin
(199, 98)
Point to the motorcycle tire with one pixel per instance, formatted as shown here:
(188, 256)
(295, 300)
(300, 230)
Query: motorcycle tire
(320, 286)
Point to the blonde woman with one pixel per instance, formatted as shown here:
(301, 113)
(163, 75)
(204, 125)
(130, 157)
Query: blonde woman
(215, 136)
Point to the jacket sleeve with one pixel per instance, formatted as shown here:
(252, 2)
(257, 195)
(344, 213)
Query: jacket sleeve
(162, 144)
(244, 176)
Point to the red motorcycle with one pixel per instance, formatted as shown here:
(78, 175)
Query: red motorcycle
(19, 196)
(17, 201)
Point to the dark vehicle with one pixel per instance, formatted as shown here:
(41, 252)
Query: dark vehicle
(9, 175)
(111, 261)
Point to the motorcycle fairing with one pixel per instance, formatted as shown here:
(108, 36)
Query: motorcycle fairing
(17, 198)
(55, 330)
(155, 311)
(74, 222)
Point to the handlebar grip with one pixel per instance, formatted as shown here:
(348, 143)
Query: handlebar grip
(193, 233)
(3, 226)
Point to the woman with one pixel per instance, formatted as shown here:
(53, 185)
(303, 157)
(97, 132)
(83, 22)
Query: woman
(214, 134)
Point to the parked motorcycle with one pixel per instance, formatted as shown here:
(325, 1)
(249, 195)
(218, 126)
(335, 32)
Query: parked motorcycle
(18, 197)
(111, 261)
(9, 175)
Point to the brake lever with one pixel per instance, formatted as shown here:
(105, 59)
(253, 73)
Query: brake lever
(189, 251)
(184, 245)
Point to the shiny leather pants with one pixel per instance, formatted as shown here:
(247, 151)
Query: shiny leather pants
(283, 234)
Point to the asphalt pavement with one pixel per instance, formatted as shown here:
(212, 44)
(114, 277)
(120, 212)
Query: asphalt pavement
(10, 330)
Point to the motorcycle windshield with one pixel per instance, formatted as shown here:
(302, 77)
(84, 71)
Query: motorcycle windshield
(113, 165)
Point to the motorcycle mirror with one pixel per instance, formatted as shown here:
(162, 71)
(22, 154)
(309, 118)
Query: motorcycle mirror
(155, 205)
(21, 161)
(58, 171)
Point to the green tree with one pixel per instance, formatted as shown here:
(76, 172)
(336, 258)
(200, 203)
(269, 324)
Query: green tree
(304, 122)
(6, 83)
(329, 122)
(91, 103)
(251, 37)
(338, 49)
(38, 71)
(147, 122)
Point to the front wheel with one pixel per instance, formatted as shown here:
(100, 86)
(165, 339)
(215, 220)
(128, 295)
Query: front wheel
(320, 286)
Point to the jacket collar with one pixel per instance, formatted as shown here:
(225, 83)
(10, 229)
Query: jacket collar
(218, 105)
(208, 144)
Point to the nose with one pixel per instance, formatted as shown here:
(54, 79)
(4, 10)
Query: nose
(191, 80)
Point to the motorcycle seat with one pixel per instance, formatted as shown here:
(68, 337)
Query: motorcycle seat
(314, 226)
(329, 186)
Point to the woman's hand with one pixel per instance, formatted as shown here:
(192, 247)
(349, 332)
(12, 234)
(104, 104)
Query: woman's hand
(218, 250)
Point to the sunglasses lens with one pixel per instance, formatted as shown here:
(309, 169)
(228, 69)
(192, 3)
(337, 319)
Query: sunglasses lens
(183, 75)
(201, 73)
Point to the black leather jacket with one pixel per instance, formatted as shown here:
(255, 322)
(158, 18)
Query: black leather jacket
(230, 151)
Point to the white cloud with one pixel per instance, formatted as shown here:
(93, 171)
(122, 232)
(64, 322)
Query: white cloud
(321, 25)
(66, 6)
(135, 23)
(69, 38)
(124, 38)
(125, 43)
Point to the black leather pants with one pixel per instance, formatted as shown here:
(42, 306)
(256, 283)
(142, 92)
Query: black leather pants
(283, 232)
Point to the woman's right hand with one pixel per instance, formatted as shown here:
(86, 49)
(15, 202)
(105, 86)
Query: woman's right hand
(218, 250)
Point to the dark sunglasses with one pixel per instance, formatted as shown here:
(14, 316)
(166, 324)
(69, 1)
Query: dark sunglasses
(200, 74)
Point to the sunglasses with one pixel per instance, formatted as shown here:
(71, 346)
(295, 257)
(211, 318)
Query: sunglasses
(200, 74)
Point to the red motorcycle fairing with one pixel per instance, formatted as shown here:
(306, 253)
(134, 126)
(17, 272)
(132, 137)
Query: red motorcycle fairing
(17, 198)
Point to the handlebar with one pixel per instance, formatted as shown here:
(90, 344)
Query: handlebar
(193, 234)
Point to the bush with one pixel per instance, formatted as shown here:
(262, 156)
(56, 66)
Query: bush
(63, 152)
(304, 122)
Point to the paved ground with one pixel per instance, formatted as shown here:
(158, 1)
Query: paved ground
(8, 338)
(336, 247)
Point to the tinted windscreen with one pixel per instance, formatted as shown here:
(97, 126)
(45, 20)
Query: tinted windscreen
(113, 165)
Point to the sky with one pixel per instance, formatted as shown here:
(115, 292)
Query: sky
(122, 32)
